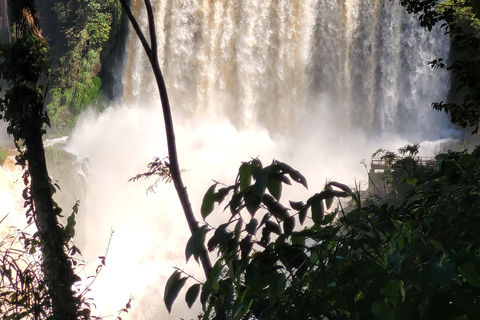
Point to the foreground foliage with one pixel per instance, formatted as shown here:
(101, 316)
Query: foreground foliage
(417, 260)
(461, 21)
(25, 292)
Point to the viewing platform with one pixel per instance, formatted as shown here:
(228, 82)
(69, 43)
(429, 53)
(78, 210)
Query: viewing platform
(380, 165)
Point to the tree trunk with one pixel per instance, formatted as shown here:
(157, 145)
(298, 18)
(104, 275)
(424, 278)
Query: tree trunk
(24, 112)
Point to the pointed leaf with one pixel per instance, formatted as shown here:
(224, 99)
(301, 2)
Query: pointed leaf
(236, 202)
(275, 188)
(317, 212)
(329, 201)
(251, 227)
(381, 311)
(345, 188)
(245, 175)
(195, 243)
(174, 284)
(246, 246)
(294, 174)
(288, 225)
(192, 295)
(273, 227)
(222, 193)
(469, 273)
(275, 207)
(208, 201)
(302, 214)
(296, 205)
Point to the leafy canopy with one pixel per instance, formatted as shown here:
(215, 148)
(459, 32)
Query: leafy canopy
(328, 259)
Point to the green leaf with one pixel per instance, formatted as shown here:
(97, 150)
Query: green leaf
(192, 295)
(70, 227)
(288, 225)
(251, 227)
(277, 287)
(252, 274)
(238, 228)
(275, 188)
(195, 243)
(261, 182)
(220, 237)
(445, 273)
(469, 273)
(236, 202)
(329, 201)
(275, 207)
(437, 245)
(252, 202)
(317, 212)
(411, 180)
(208, 201)
(174, 284)
(393, 291)
(302, 214)
(381, 311)
(222, 193)
(245, 175)
(246, 246)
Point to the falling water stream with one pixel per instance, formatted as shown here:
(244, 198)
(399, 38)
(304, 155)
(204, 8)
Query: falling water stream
(319, 84)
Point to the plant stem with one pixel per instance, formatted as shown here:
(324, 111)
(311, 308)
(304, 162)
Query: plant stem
(151, 51)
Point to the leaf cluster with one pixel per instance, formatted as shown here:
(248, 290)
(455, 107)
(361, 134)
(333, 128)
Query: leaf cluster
(461, 21)
(320, 260)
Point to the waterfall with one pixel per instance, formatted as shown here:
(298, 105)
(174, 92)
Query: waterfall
(268, 62)
(319, 84)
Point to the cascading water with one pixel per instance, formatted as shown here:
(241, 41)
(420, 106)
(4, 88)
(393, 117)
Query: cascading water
(271, 62)
(319, 84)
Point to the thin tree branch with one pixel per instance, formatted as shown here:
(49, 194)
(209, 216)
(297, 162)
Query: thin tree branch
(167, 116)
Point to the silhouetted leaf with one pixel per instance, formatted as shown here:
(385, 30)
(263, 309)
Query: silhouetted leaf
(222, 193)
(277, 287)
(195, 243)
(246, 246)
(273, 227)
(275, 207)
(329, 201)
(317, 212)
(220, 236)
(192, 294)
(302, 214)
(245, 175)
(345, 188)
(208, 201)
(251, 227)
(275, 188)
(288, 225)
(174, 284)
(236, 202)
(294, 174)
(296, 205)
